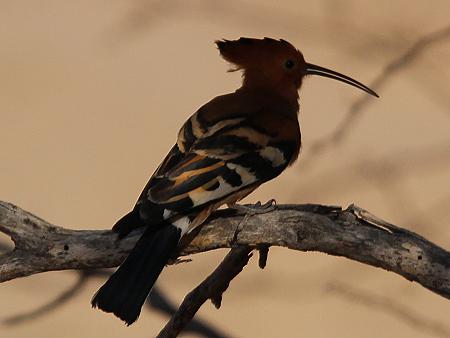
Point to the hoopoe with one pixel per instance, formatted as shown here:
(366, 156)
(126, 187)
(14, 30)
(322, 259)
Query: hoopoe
(224, 151)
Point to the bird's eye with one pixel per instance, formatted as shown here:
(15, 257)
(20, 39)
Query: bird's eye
(289, 64)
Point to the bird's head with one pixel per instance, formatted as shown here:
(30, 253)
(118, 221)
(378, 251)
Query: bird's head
(275, 65)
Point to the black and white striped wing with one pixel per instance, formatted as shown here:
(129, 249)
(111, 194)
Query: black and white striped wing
(217, 165)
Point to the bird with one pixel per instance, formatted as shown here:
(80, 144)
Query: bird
(223, 152)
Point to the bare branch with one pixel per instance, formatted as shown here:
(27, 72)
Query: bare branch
(353, 233)
(211, 288)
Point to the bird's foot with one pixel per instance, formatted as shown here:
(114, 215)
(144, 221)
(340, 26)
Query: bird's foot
(255, 209)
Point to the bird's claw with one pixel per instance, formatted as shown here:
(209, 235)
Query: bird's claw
(255, 209)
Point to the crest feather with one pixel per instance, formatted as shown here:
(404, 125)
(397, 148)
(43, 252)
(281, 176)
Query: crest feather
(245, 52)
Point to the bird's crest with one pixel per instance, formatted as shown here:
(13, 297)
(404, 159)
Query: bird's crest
(246, 53)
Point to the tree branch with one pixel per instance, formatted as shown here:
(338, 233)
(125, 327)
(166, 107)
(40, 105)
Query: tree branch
(211, 288)
(353, 233)
(197, 326)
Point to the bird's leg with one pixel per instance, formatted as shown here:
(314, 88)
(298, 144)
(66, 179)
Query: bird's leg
(254, 209)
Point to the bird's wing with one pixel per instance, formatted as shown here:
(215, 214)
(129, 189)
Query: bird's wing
(215, 162)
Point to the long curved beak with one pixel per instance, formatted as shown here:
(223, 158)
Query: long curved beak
(321, 71)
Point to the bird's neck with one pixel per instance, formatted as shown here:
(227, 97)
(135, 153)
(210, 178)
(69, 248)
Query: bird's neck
(273, 93)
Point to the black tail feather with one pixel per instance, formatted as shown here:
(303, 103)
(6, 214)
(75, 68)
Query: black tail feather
(128, 223)
(125, 291)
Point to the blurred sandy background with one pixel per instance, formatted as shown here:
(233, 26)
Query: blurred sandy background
(92, 94)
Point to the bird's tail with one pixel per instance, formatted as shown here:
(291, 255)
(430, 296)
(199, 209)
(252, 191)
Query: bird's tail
(128, 223)
(125, 291)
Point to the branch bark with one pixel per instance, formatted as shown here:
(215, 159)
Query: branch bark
(353, 233)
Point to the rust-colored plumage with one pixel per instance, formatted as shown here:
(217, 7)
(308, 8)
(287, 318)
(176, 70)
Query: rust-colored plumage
(264, 64)
(224, 151)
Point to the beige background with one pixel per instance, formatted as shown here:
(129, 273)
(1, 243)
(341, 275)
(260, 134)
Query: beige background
(92, 94)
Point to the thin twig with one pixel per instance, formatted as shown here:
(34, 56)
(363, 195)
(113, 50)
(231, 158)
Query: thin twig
(263, 253)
